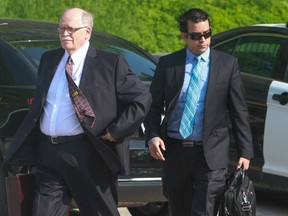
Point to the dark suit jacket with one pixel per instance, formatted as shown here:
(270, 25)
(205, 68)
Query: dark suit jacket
(118, 98)
(225, 92)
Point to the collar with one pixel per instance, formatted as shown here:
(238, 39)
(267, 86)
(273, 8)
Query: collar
(79, 54)
(190, 56)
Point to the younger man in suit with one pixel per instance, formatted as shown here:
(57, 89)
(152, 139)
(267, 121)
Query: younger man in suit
(194, 88)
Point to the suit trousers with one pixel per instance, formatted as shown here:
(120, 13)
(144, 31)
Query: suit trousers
(191, 188)
(73, 170)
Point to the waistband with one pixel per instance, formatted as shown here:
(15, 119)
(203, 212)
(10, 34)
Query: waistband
(183, 143)
(61, 139)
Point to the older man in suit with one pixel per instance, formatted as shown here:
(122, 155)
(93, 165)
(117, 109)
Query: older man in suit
(194, 88)
(85, 105)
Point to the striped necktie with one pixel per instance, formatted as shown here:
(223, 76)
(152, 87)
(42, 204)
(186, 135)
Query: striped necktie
(82, 107)
(192, 98)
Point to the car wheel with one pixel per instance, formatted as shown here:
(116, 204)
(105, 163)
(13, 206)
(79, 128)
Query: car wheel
(3, 200)
(151, 209)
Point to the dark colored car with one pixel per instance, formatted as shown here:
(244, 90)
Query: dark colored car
(262, 51)
(22, 42)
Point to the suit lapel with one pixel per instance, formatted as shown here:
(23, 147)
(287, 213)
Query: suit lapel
(51, 69)
(213, 75)
(180, 68)
(179, 74)
(89, 64)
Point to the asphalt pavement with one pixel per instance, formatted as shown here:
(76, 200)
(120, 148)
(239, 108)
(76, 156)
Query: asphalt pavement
(269, 203)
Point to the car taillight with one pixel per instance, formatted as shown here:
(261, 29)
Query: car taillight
(30, 101)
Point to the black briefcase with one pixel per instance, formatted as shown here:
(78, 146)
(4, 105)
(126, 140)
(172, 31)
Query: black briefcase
(239, 197)
(20, 194)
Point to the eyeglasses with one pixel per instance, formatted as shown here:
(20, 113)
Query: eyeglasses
(198, 36)
(70, 30)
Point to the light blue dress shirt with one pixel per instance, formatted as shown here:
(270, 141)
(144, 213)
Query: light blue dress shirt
(174, 121)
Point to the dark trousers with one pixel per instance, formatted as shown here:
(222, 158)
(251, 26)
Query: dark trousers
(191, 188)
(73, 170)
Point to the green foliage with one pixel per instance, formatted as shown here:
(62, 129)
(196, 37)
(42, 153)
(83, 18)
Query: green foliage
(149, 23)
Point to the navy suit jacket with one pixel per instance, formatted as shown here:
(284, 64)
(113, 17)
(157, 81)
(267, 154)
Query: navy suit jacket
(118, 98)
(225, 91)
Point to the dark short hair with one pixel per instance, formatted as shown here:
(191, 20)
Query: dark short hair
(195, 15)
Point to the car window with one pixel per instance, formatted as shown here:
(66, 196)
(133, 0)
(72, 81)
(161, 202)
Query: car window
(139, 62)
(14, 68)
(143, 67)
(33, 50)
(257, 55)
(227, 47)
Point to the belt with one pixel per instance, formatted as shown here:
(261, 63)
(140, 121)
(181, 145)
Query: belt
(61, 139)
(184, 143)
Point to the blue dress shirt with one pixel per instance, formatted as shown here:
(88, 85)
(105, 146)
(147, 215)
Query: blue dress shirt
(174, 121)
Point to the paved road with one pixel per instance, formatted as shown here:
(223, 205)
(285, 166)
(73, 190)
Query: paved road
(268, 204)
(272, 203)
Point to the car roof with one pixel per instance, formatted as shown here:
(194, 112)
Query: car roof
(13, 30)
(276, 25)
(270, 29)
(21, 29)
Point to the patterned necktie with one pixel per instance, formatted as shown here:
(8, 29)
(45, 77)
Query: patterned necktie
(82, 107)
(192, 98)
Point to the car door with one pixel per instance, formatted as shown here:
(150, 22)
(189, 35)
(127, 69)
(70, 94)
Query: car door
(262, 59)
(17, 77)
(275, 135)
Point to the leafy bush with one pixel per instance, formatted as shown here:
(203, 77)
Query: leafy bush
(152, 24)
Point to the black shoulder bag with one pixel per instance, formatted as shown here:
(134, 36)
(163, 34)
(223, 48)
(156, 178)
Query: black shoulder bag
(239, 198)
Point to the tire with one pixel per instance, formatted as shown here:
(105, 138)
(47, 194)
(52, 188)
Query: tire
(151, 209)
(3, 200)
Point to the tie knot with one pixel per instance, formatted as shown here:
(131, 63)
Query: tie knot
(69, 60)
(197, 58)
(69, 66)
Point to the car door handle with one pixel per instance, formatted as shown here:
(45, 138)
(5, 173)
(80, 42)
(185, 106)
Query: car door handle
(282, 98)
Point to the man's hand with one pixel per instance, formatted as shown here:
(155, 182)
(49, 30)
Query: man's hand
(156, 146)
(244, 162)
(108, 137)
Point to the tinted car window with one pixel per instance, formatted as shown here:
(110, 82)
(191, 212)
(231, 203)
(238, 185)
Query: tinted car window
(33, 50)
(227, 47)
(140, 63)
(14, 69)
(257, 55)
